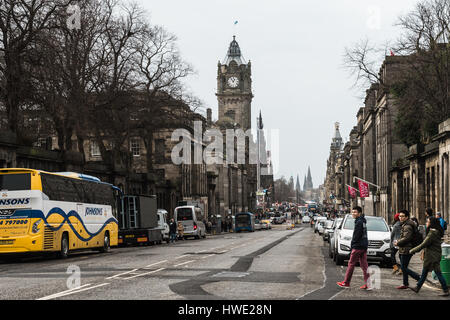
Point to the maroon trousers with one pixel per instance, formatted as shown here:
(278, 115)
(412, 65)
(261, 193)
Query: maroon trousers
(355, 257)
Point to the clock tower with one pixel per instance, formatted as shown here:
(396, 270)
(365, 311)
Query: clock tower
(234, 88)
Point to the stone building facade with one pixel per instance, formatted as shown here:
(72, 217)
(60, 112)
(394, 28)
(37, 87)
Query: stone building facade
(403, 178)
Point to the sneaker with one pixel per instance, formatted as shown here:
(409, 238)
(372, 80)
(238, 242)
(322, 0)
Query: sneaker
(403, 287)
(395, 269)
(366, 287)
(445, 294)
(415, 289)
(343, 284)
(399, 272)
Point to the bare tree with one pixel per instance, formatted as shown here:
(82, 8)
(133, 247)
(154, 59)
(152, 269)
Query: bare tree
(21, 21)
(422, 91)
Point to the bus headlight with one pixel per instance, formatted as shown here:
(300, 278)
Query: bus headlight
(35, 226)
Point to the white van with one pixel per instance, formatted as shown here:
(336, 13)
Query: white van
(190, 217)
(162, 224)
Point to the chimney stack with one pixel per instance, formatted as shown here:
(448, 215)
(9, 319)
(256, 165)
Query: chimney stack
(209, 116)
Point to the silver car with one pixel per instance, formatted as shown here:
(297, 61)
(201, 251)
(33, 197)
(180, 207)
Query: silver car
(333, 237)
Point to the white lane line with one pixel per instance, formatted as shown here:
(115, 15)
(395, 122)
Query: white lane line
(144, 274)
(73, 291)
(77, 288)
(208, 256)
(120, 274)
(155, 264)
(180, 264)
(201, 251)
(223, 251)
(182, 256)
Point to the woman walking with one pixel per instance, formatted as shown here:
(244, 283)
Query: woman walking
(432, 254)
(395, 235)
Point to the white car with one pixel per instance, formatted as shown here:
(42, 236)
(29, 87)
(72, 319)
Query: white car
(333, 236)
(378, 234)
(258, 225)
(317, 224)
(306, 219)
(162, 224)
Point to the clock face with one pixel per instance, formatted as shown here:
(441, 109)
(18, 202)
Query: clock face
(233, 82)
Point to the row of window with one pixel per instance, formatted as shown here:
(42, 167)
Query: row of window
(59, 188)
(135, 148)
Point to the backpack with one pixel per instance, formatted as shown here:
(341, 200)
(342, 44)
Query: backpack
(417, 237)
(445, 225)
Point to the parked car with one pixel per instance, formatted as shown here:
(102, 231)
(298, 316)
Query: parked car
(332, 243)
(317, 223)
(267, 224)
(328, 228)
(162, 224)
(379, 237)
(258, 225)
(277, 220)
(306, 219)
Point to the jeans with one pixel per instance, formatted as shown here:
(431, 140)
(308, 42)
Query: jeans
(404, 262)
(173, 237)
(393, 253)
(424, 275)
(355, 257)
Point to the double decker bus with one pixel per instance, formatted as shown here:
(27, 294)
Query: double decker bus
(56, 212)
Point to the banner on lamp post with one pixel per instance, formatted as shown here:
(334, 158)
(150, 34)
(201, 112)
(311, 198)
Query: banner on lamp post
(363, 189)
(352, 192)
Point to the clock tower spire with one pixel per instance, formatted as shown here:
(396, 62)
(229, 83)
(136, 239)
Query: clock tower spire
(234, 88)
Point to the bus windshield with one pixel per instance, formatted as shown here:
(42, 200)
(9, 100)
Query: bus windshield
(242, 220)
(15, 182)
(184, 214)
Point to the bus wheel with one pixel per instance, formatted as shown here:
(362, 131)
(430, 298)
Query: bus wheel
(64, 252)
(106, 244)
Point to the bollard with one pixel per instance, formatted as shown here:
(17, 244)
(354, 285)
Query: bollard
(445, 262)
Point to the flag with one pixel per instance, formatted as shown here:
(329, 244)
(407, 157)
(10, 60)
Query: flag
(363, 189)
(392, 53)
(352, 192)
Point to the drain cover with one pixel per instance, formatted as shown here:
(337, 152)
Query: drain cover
(230, 274)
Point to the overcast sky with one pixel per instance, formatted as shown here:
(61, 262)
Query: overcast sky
(296, 49)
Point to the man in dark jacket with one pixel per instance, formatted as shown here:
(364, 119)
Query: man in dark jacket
(359, 246)
(172, 230)
(405, 243)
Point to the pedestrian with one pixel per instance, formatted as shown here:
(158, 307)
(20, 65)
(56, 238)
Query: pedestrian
(428, 213)
(432, 254)
(209, 226)
(395, 235)
(172, 230)
(405, 243)
(359, 247)
(442, 222)
(180, 230)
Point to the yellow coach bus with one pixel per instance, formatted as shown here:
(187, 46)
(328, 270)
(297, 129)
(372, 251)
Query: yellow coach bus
(56, 212)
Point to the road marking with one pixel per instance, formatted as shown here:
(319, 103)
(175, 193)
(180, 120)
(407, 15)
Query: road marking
(155, 264)
(180, 264)
(208, 256)
(72, 291)
(120, 274)
(182, 256)
(223, 251)
(143, 274)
